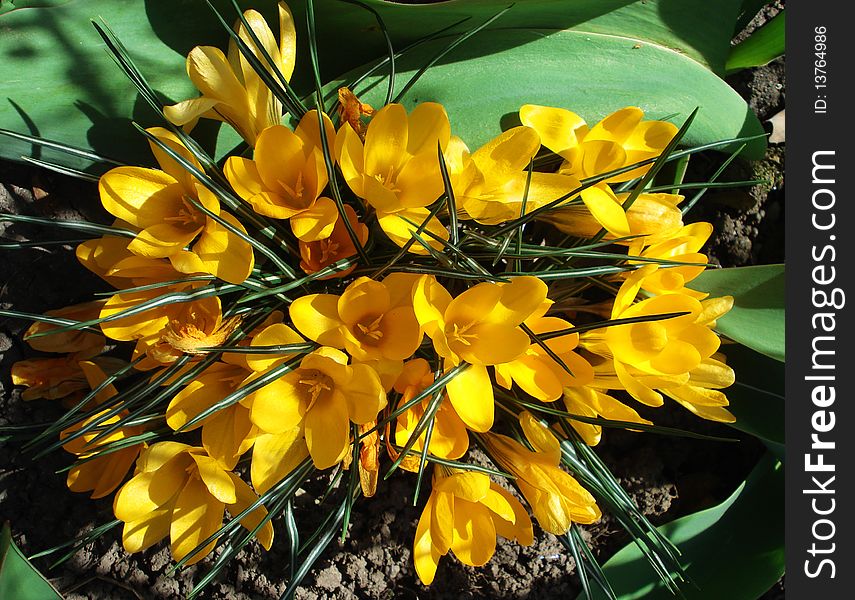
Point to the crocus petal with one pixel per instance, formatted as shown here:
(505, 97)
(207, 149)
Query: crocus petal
(243, 175)
(520, 528)
(211, 73)
(228, 434)
(606, 209)
(244, 498)
(277, 334)
(279, 156)
(425, 556)
(141, 197)
(197, 515)
(148, 491)
(315, 223)
(492, 344)
(278, 406)
(428, 129)
(540, 437)
(378, 195)
(401, 334)
(223, 253)
(327, 430)
(471, 486)
(508, 152)
(419, 181)
(400, 225)
(636, 389)
(316, 317)
(442, 521)
(349, 153)
(386, 140)
(135, 326)
(215, 478)
(364, 394)
(145, 532)
(309, 130)
(188, 112)
(274, 456)
(471, 394)
(430, 302)
(474, 534)
(203, 392)
(557, 127)
(161, 240)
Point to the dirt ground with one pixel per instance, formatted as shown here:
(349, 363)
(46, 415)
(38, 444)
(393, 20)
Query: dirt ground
(668, 477)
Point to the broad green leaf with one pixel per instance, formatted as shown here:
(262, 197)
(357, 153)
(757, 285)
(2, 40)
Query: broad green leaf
(761, 47)
(734, 550)
(588, 73)
(61, 84)
(757, 397)
(757, 317)
(18, 578)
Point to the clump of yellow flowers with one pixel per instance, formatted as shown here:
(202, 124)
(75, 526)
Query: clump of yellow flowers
(359, 291)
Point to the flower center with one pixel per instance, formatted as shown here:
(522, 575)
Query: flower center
(389, 180)
(314, 384)
(329, 251)
(187, 215)
(297, 192)
(368, 331)
(456, 333)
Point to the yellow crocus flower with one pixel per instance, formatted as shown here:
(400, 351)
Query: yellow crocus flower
(370, 320)
(620, 139)
(286, 176)
(587, 401)
(557, 500)
(155, 203)
(321, 398)
(101, 474)
(229, 433)
(479, 327)
(489, 185)
(655, 216)
(464, 514)
(231, 89)
(536, 372)
(449, 438)
(48, 378)
(322, 253)
(226, 434)
(683, 246)
(180, 491)
(396, 169)
(660, 354)
(83, 344)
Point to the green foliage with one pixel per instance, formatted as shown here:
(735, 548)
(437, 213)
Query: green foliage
(18, 578)
(734, 550)
(56, 40)
(757, 397)
(764, 45)
(757, 318)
